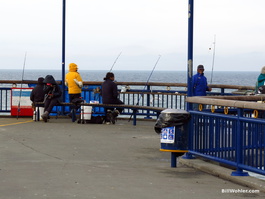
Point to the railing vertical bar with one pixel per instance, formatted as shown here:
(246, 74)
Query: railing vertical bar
(217, 136)
(220, 127)
(249, 144)
(260, 147)
(1, 102)
(195, 124)
(256, 148)
(207, 134)
(246, 126)
(253, 141)
(211, 137)
(226, 152)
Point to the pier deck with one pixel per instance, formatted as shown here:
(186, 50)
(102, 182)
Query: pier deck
(65, 160)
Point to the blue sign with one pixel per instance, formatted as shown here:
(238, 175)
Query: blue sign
(167, 135)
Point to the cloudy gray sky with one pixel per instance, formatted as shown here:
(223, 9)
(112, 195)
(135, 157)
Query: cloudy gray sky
(98, 30)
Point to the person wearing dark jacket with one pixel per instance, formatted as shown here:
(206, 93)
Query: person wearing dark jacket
(37, 94)
(110, 95)
(52, 94)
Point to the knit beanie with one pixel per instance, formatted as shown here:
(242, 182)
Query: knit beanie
(200, 67)
(72, 67)
(109, 75)
(262, 70)
(40, 80)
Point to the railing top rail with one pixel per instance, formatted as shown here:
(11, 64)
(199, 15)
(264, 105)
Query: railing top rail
(249, 102)
(136, 84)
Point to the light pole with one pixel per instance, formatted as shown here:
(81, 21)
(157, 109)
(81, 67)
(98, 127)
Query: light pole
(190, 53)
(63, 48)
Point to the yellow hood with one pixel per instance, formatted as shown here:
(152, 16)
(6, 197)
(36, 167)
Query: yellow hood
(72, 67)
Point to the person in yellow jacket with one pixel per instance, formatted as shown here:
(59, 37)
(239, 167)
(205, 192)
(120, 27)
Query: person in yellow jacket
(74, 82)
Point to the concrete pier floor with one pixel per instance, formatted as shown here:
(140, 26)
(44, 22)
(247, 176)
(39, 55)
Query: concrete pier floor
(65, 160)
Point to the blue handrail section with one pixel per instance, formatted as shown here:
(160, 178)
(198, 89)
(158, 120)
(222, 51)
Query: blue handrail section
(237, 140)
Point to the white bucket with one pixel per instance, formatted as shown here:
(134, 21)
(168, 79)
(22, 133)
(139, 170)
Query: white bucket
(86, 112)
(41, 109)
(35, 114)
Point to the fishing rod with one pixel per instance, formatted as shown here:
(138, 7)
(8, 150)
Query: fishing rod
(146, 85)
(213, 58)
(115, 62)
(18, 106)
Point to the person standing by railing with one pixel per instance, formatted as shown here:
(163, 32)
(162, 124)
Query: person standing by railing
(260, 84)
(74, 82)
(110, 95)
(199, 84)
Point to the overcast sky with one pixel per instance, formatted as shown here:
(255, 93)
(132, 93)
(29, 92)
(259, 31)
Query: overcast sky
(97, 31)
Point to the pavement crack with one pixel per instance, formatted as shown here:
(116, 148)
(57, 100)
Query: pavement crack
(37, 151)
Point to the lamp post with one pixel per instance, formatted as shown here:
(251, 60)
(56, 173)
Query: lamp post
(190, 53)
(63, 48)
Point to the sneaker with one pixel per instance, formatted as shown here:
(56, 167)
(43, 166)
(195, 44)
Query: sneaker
(114, 115)
(108, 116)
(45, 116)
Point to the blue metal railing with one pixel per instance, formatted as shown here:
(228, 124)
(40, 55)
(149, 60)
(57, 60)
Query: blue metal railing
(235, 140)
(134, 96)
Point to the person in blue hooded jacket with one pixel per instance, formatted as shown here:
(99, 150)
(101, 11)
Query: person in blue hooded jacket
(199, 82)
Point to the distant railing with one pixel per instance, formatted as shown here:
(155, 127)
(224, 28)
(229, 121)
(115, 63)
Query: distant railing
(233, 133)
(164, 95)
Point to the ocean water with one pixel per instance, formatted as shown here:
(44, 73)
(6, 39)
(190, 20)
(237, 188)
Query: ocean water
(241, 78)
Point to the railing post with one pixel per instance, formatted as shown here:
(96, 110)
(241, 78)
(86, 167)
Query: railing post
(148, 103)
(190, 139)
(222, 91)
(239, 145)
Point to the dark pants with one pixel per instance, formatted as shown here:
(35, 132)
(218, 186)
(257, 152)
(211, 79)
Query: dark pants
(49, 104)
(116, 102)
(72, 97)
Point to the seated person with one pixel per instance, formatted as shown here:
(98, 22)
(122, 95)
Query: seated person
(110, 95)
(52, 94)
(37, 94)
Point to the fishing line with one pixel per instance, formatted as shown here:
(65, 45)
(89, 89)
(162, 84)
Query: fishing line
(23, 71)
(146, 84)
(115, 62)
